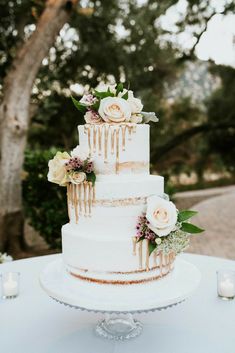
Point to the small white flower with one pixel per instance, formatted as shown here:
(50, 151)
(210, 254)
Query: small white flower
(88, 99)
(135, 103)
(149, 116)
(136, 118)
(162, 215)
(5, 258)
(80, 152)
(114, 110)
(158, 241)
(92, 117)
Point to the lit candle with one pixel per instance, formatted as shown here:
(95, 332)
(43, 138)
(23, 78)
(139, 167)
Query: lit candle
(226, 288)
(10, 286)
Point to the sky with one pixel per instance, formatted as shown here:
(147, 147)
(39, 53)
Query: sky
(217, 43)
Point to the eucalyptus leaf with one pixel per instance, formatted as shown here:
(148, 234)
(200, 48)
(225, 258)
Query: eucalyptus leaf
(149, 116)
(191, 228)
(186, 214)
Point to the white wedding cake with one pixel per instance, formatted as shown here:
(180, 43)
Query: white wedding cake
(122, 230)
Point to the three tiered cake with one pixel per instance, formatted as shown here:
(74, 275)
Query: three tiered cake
(122, 229)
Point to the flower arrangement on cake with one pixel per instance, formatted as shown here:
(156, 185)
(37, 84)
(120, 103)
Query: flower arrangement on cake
(75, 168)
(114, 106)
(164, 227)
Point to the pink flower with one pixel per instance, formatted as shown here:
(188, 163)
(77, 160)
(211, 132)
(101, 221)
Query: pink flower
(92, 117)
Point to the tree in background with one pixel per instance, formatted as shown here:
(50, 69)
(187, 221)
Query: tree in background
(105, 41)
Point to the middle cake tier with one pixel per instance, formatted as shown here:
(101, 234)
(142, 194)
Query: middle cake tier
(110, 196)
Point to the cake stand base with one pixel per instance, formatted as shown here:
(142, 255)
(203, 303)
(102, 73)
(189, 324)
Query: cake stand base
(118, 327)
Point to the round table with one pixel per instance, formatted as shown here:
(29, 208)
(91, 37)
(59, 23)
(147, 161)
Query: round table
(34, 323)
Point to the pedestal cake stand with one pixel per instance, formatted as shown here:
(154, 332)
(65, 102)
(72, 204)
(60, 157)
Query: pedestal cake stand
(120, 302)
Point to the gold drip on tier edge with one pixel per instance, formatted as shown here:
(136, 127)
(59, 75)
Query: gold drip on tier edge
(160, 260)
(80, 199)
(110, 139)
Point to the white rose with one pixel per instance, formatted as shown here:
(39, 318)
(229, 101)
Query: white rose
(80, 152)
(91, 117)
(136, 118)
(162, 215)
(135, 103)
(77, 177)
(114, 110)
(57, 172)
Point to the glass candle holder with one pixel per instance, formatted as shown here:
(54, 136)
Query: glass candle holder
(10, 285)
(226, 284)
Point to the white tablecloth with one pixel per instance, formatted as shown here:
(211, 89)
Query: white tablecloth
(34, 323)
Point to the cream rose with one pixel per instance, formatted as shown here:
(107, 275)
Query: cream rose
(57, 172)
(77, 177)
(114, 110)
(136, 118)
(91, 117)
(80, 152)
(135, 103)
(162, 215)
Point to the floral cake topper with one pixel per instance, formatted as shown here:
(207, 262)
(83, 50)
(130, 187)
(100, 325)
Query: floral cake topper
(165, 228)
(114, 106)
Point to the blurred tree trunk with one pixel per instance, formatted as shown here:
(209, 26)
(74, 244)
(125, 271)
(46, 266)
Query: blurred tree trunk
(14, 119)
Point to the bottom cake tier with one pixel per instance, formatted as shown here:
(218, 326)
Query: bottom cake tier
(112, 261)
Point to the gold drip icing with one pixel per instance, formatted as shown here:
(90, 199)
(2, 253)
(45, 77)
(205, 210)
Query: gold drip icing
(160, 256)
(94, 138)
(106, 135)
(75, 203)
(117, 151)
(155, 258)
(147, 256)
(134, 243)
(100, 128)
(68, 200)
(85, 197)
(90, 197)
(140, 254)
(108, 138)
(123, 138)
(80, 198)
(113, 133)
(89, 140)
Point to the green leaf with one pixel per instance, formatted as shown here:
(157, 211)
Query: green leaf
(184, 215)
(91, 177)
(125, 96)
(140, 239)
(119, 88)
(102, 95)
(152, 247)
(190, 228)
(81, 107)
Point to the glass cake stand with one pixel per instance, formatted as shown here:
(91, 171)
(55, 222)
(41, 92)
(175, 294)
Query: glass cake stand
(119, 303)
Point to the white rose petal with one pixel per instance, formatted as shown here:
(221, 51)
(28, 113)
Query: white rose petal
(80, 152)
(135, 103)
(114, 110)
(162, 215)
(57, 172)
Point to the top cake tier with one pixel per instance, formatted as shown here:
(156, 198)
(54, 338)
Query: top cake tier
(117, 149)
